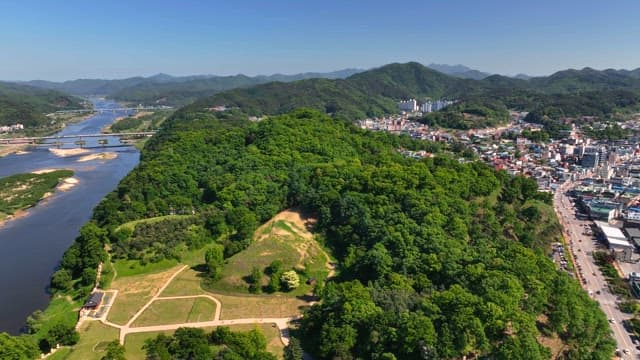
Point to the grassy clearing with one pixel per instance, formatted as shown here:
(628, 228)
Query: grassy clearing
(186, 283)
(61, 354)
(162, 312)
(133, 267)
(259, 306)
(203, 309)
(61, 309)
(134, 342)
(131, 225)
(94, 337)
(237, 306)
(134, 292)
(284, 239)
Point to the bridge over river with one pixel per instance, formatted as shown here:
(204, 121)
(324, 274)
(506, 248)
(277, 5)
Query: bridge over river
(81, 140)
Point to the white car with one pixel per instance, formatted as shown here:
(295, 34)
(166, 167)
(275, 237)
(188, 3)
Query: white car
(612, 321)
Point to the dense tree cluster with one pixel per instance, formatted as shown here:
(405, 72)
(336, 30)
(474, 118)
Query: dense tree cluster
(221, 343)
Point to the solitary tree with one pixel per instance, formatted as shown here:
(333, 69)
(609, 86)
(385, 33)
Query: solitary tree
(214, 258)
(293, 351)
(290, 279)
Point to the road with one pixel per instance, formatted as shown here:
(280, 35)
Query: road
(591, 279)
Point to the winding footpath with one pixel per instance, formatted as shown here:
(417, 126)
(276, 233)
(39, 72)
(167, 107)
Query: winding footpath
(281, 323)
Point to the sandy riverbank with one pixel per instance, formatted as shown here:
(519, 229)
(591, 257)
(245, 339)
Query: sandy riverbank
(68, 152)
(99, 156)
(16, 215)
(13, 149)
(67, 184)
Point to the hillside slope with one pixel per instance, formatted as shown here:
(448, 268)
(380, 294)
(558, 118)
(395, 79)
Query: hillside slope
(28, 105)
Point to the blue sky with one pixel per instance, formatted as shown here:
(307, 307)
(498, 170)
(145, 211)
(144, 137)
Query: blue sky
(58, 40)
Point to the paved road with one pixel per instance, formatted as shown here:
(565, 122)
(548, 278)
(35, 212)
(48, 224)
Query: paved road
(580, 245)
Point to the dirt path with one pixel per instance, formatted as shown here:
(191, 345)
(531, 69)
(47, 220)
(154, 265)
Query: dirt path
(281, 323)
(143, 308)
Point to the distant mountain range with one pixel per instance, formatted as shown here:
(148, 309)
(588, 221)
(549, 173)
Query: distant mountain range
(173, 90)
(460, 71)
(375, 92)
(356, 93)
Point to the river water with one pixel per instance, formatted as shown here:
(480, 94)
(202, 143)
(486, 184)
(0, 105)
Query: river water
(31, 246)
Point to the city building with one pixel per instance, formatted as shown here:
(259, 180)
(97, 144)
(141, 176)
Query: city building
(616, 240)
(590, 158)
(410, 105)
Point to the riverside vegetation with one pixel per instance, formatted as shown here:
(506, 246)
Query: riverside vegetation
(437, 258)
(21, 191)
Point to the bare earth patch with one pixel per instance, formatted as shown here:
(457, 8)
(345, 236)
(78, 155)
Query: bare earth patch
(68, 152)
(99, 156)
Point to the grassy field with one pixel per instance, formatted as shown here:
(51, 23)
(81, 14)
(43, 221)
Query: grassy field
(284, 238)
(237, 306)
(60, 310)
(186, 283)
(131, 225)
(21, 191)
(134, 292)
(134, 342)
(177, 311)
(126, 268)
(94, 337)
(257, 306)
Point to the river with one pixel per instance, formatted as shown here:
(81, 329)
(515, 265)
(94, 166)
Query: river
(31, 246)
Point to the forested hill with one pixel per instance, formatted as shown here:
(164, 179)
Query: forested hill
(437, 259)
(28, 105)
(375, 92)
(163, 89)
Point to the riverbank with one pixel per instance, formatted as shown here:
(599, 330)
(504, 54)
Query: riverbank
(34, 244)
(62, 122)
(6, 150)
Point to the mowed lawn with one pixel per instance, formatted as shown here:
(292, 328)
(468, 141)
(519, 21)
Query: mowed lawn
(94, 337)
(177, 311)
(277, 240)
(134, 292)
(259, 306)
(186, 283)
(238, 306)
(134, 342)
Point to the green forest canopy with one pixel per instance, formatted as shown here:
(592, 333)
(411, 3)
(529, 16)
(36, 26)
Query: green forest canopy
(438, 259)
(27, 105)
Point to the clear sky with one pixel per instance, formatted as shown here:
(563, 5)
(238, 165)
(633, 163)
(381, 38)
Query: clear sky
(68, 39)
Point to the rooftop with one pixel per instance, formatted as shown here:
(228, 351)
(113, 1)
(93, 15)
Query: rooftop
(94, 300)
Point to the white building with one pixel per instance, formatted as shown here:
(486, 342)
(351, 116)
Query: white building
(410, 105)
(426, 107)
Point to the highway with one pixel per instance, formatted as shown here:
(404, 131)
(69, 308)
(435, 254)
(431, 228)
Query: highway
(580, 246)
